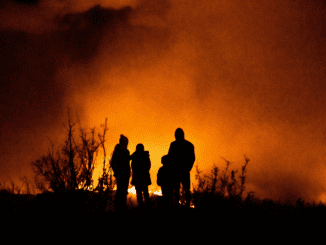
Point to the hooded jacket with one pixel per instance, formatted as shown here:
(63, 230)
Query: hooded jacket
(140, 166)
(120, 161)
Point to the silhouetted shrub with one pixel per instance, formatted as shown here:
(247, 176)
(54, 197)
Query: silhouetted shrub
(220, 190)
(71, 168)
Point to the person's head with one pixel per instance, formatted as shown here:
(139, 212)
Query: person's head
(140, 147)
(179, 134)
(123, 141)
(164, 159)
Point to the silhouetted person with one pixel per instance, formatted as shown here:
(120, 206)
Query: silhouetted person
(141, 179)
(182, 156)
(165, 180)
(121, 169)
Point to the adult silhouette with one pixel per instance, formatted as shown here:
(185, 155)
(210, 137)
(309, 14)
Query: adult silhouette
(140, 165)
(182, 157)
(121, 170)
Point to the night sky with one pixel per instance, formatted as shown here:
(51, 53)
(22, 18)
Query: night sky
(240, 77)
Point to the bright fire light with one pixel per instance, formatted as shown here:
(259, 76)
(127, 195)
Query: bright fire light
(159, 193)
(132, 190)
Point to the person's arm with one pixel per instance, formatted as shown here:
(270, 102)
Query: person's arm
(149, 162)
(191, 156)
(114, 160)
(170, 149)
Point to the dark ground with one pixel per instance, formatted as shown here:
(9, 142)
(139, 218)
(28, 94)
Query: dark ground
(88, 211)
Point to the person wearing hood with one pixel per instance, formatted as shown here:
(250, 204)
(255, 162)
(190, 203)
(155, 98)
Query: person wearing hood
(140, 165)
(182, 157)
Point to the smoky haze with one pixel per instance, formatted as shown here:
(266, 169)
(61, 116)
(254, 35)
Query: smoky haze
(240, 77)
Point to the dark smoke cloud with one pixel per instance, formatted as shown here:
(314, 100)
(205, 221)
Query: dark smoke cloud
(240, 77)
(50, 57)
(41, 16)
(33, 98)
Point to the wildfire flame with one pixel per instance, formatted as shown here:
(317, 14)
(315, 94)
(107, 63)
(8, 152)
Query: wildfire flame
(132, 191)
(159, 193)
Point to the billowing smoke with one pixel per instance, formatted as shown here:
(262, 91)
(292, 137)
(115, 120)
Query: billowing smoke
(238, 77)
(41, 16)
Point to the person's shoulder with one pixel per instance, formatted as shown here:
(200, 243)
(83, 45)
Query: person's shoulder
(117, 146)
(189, 143)
(173, 143)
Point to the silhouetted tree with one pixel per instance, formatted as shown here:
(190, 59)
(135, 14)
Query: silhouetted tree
(87, 152)
(70, 168)
(103, 179)
(27, 184)
(56, 171)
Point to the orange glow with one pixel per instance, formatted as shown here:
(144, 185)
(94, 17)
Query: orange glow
(157, 148)
(132, 190)
(158, 193)
(239, 77)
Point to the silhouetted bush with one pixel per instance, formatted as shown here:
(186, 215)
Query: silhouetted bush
(71, 168)
(220, 190)
(221, 194)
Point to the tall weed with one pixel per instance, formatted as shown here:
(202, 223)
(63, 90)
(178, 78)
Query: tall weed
(220, 187)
